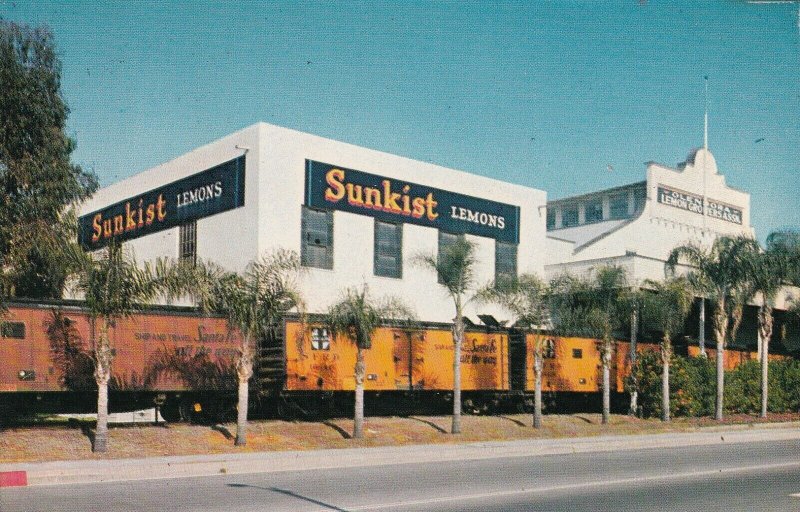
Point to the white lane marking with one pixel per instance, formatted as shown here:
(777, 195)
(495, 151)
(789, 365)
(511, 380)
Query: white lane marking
(567, 487)
(796, 495)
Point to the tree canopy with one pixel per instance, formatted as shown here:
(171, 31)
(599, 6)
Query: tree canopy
(39, 183)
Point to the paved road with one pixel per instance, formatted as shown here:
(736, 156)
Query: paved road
(754, 476)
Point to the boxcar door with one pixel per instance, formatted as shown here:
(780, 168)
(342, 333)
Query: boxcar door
(402, 359)
(517, 360)
(18, 371)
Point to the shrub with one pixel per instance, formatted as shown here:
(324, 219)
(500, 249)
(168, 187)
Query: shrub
(691, 385)
(784, 386)
(743, 388)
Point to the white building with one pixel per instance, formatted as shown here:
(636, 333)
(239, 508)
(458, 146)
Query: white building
(637, 225)
(354, 214)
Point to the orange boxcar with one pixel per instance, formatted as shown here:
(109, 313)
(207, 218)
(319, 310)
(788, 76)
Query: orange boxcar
(399, 359)
(46, 349)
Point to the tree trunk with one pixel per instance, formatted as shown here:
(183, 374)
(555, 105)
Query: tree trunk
(765, 333)
(666, 356)
(358, 414)
(634, 407)
(458, 336)
(102, 375)
(736, 321)
(241, 413)
(537, 388)
(244, 370)
(701, 328)
(606, 381)
(720, 328)
(759, 339)
(100, 444)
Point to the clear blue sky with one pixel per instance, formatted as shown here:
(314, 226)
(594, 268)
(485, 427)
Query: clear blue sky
(541, 94)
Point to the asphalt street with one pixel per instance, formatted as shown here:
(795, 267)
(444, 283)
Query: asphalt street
(730, 477)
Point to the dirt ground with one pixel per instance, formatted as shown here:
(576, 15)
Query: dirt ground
(72, 440)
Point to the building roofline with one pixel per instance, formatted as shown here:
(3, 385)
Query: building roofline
(597, 192)
(680, 168)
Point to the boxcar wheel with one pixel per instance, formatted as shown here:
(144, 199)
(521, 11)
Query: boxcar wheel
(170, 411)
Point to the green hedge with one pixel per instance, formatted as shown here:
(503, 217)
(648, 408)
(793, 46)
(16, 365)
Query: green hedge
(693, 386)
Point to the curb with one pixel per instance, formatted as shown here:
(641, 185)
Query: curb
(115, 470)
(13, 479)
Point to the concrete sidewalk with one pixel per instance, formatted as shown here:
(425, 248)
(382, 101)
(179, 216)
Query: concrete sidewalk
(74, 472)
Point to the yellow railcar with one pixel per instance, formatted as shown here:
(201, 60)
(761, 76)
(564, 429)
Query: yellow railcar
(399, 360)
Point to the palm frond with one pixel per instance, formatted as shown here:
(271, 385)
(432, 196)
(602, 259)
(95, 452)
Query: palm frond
(357, 315)
(454, 266)
(526, 298)
(254, 300)
(594, 307)
(665, 304)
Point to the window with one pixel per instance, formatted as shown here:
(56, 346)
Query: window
(618, 205)
(549, 349)
(505, 261)
(317, 243)
(12, 330)
(551, 218)
(569, 216)
(446, 240)
(388, 249)
(187, 236)
(594, 210)
(320, 339)
(577, 353)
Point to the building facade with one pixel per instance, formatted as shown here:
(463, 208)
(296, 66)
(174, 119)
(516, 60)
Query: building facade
(356, 216)
(637, 225)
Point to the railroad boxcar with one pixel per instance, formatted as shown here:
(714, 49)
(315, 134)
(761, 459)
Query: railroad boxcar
(171, 356)
(183, 361)
(308, 365)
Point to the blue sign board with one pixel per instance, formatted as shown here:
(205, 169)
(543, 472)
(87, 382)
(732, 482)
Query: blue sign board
(391, 200)
(206, 193)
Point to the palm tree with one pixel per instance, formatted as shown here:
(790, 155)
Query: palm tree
(595, 308)
(113, 287)
(527, 299)
(740, 295)
(664, 306)
(357, 316)
(455, 270)
(719, 272)
(768, 271)
(253, 302)
(787, 241)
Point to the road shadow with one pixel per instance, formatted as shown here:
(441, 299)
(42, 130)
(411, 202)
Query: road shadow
(429, 423)
(85, 428)
(345, 434)
(222, 430)
(287, 492)
(512, 420)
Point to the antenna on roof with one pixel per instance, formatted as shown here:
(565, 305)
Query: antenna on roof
(705, 126)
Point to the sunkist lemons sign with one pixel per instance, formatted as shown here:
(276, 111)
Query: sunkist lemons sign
(392, 200)
(212, 191)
